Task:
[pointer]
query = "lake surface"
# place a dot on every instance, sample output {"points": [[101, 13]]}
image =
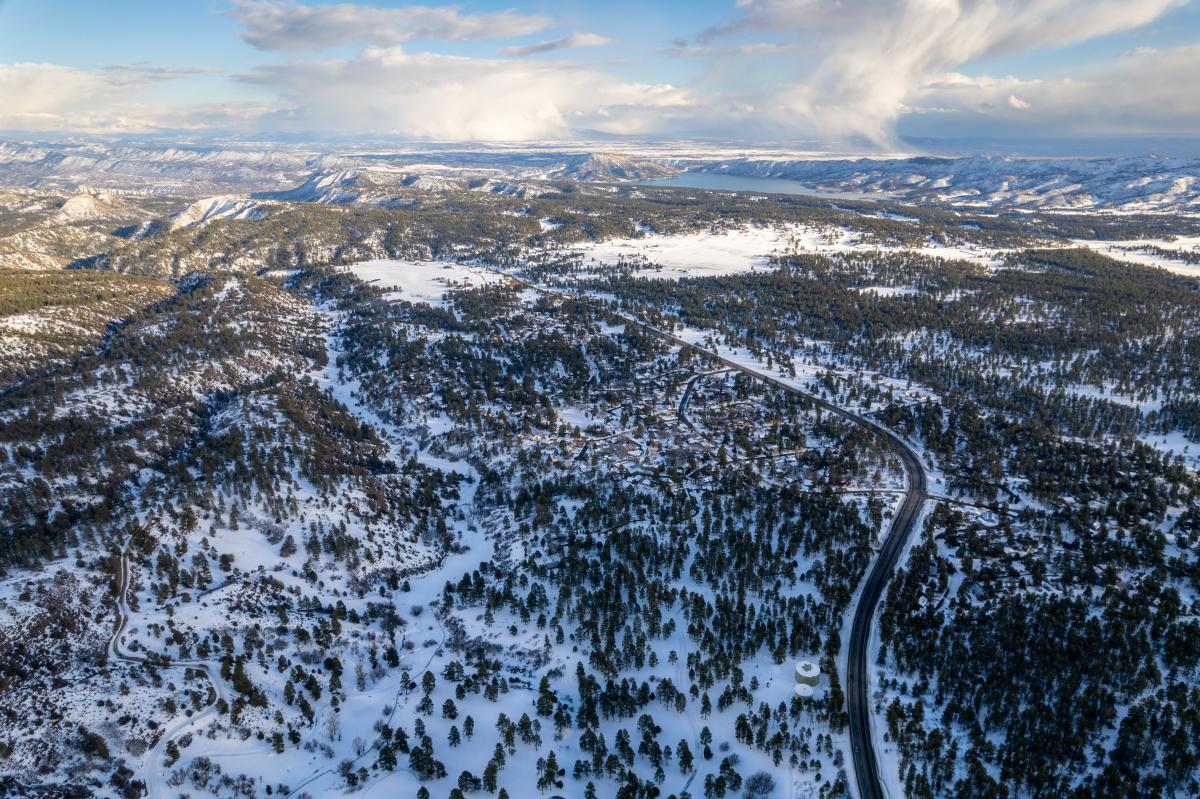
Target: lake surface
{"points": [[710, 180]]}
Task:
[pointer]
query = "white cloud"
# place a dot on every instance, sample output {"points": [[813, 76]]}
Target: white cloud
{"points": [[382, 90], [386, 90], [855, 70], [285, 25], [147, 71], [883, 52], [566, 43], [682, 48], [1140, 51], [51, 97], [35, 94], [1147, 91]]}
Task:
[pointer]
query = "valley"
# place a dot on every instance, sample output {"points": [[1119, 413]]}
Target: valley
{"points": [[483, 493]]}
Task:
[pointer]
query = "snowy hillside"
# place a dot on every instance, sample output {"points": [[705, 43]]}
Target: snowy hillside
{"points": [[204, 211], [610, 168], [1127, 184], [89, 207], [376, 176]]}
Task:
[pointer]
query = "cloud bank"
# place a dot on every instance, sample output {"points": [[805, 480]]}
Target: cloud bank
{"points": [[426, 95], [1146, 89], [288, 26], [836, 70], [884, 54], [112, 98]]}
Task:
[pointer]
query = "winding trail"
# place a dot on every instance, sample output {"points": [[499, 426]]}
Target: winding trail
{"points": [[866, 762], [153, 772]]}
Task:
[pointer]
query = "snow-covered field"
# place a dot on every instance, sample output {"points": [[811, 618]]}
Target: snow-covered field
{"points": [[749, 249], [421, 281], [1142, 251], [889, 291], [697, 254]]}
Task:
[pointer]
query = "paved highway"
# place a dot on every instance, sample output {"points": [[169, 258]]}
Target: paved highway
{"points": [[866, 763]]}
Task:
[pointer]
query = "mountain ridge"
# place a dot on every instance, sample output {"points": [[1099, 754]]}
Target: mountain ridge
{"points": [[1147, 183]]}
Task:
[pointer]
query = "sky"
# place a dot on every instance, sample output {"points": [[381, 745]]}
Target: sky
{"points": [[827, 73]]}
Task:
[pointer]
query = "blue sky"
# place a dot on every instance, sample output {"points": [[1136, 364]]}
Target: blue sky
{"points": [[859, 73]]}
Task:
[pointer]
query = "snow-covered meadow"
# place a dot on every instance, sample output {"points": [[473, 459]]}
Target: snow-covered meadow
{"points": [[1170, 254], [421, 281], [749, 248]]}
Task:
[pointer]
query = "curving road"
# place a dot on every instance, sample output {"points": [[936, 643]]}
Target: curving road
{"points": [[866, 763], [153, 772], [866, 767]]}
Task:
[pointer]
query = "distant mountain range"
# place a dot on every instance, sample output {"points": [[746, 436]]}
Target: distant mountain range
{"points": [[280, 172], [1126, 184]]}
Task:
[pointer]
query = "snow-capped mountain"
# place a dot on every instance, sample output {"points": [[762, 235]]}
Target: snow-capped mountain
{"points": [[612, 168], [387, 189], [380, 178], [1128, 184], [138, 167], [341, 187]]}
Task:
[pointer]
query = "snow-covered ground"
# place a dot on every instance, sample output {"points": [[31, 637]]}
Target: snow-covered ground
{"points": [[889, 291], [1142, 251], [804, 374], [210, 209], [1139, 184], [421, 281], [425, 650], [697, 254], [749, 249]]}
